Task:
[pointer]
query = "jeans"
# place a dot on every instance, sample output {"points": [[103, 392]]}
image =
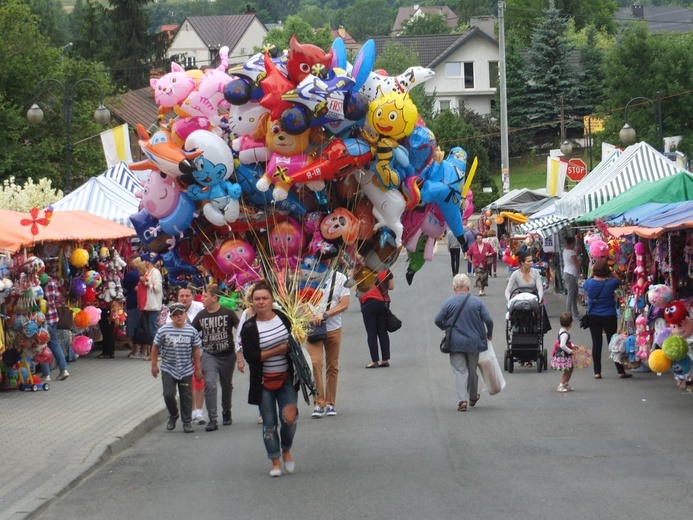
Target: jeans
{"points": [[271, 399], [455, 260], [608, 324], [184, 391], [374, 314], [571, 285], [327, 388], [464, 366], [56, 349], [151, 317], [218, 369]]}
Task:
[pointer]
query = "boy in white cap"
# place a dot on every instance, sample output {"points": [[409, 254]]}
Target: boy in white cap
{"points": [[178, 344]]}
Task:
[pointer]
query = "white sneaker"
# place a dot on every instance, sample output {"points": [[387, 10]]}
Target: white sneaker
{"points": [[330, 411], [568, 387], [562, 388], [318, 412], [64, 374], [46, 378]]}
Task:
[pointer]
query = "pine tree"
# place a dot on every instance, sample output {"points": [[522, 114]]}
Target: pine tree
{"points": [[134, 48], [550, 77], [590, 89]]}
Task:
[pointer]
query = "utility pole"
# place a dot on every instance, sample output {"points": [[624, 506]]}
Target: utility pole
{"points": [[505, 151]]}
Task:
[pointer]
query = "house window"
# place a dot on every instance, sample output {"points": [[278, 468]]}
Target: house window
{"points": [[453, 69], [468, 75], [458, 69], [190, 61], [443, 105], [493, 74], [493, 106]]}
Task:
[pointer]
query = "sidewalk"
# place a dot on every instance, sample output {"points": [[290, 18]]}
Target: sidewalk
{"points": [[51, 440]]}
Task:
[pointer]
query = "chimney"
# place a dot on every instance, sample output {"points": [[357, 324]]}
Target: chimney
{"points": [[416, 7], [249, 9], [638, 11], [485, 23]]}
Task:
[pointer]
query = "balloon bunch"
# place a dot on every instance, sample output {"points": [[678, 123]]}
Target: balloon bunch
{"points": [[290, 160]]}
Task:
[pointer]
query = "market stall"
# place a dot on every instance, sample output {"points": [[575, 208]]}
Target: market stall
{"points": [[60, 283]]}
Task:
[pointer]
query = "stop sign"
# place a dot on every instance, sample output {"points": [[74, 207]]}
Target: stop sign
{"points": [[576, 170]]}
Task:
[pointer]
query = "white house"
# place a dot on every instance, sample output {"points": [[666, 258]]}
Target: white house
{"points": [[466, 67], [199, 38]]}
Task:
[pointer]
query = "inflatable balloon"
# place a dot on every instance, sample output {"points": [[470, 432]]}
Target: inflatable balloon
{"points": [[180, 218], [177, 269], [378, 85], [340, 227], [35, 265], [286, 244], [79, 257], [242, 123], [433, 226], [81, 345], [390, 117], [388, 206], [163, 154], [236, 258], [212, 171], [248, 177], [160, 194], [150, 233]]}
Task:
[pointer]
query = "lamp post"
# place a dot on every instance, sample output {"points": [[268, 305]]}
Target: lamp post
{"points": [[35, 115], [567, 146], [627, 133]]}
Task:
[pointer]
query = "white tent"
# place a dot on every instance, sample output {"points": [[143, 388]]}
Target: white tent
{"points": [[105, 196], [613, 176]]}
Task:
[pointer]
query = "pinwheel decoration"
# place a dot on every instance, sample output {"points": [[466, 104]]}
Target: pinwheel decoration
{"points": [[34, 221]]}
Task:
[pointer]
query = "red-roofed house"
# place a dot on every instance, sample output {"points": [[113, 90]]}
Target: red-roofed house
{"points": [[405, 13], [199, 38]]}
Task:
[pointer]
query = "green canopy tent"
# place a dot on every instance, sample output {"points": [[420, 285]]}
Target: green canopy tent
{"points": [[675, 188]]}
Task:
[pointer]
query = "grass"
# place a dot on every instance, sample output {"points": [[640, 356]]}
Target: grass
{"points": [[530, 172]]}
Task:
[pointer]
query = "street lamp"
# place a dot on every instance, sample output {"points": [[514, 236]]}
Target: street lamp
{"points": [[567, 146], [627, 133], [35, 115]]}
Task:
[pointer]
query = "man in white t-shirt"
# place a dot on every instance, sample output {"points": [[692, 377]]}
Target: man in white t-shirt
{"points": [[335, 302], [186, 296], [571, 273]]}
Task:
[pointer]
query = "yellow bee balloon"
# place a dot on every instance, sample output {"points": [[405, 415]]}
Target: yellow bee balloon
{"points": [[392, 116]]}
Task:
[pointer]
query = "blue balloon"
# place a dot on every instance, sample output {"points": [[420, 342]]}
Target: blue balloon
{"points": [[180, 218]]}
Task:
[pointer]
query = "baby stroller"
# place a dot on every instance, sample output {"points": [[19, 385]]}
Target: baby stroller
{"points": [[524, 335]]}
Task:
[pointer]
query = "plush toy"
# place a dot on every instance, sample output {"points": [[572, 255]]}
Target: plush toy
{"points": [[631, 348], [660, 295], [599, 250], [643, 338], [675, 348], [110, 293]]}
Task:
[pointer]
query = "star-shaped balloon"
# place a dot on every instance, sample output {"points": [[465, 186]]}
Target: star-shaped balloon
{"points": [[34, 221], [274, 85]]}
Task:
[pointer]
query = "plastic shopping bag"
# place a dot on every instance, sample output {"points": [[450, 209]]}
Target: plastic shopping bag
{"points": [[491, 371]]}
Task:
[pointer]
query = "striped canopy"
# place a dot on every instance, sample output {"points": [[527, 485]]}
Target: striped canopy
{"points": [[635, 164], [123, 176], [546, 226], [104, 197]]}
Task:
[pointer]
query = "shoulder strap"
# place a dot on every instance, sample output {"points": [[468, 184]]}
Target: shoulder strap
{"points": [[459, 311], [329, 298], [598, 294]]}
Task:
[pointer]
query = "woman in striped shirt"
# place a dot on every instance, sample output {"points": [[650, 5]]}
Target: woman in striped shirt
{"points": [[265, 337]]}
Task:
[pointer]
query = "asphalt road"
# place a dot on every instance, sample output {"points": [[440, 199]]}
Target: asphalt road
{"points": [[616, 449]]}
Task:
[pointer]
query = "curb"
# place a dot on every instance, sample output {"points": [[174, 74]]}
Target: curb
{"points": [[74, 473]]}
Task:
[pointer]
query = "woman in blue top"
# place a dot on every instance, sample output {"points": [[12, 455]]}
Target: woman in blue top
{"points": [[602, 309]]}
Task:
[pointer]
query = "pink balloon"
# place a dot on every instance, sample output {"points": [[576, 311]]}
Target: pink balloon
{"points": [[82, 345]]}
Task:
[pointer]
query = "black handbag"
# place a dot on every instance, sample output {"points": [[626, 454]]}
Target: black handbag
{"points": [[393, 322], [446, 342], [585, 320]]}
